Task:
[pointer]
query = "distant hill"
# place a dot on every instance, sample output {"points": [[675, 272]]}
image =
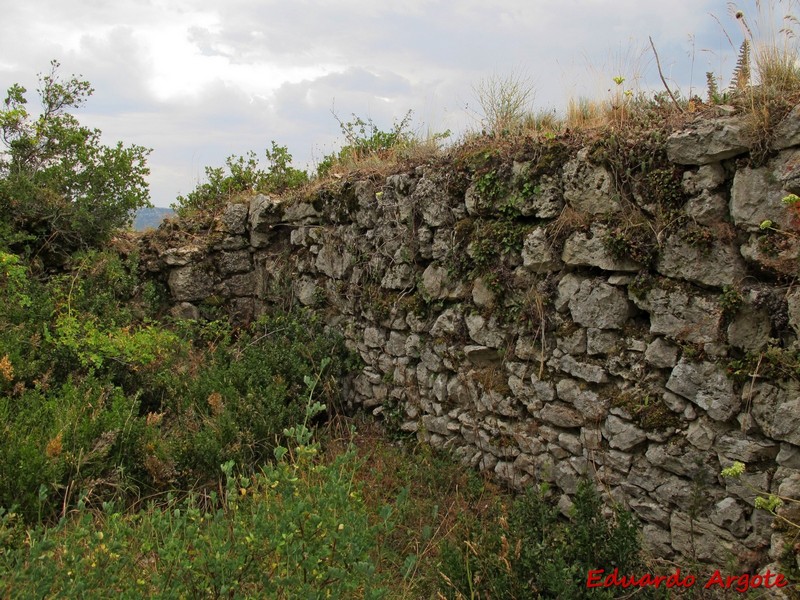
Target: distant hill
{"points": [[150, 218]]}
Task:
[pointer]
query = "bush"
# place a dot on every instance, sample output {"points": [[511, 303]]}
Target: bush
{"points": [[536, 554], [243, 176], [60, 188]]}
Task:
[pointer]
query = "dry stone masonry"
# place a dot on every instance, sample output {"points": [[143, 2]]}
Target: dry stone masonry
{"points": [[546, 321]]}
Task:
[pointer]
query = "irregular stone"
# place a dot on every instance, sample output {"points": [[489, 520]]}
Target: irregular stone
{"points": [[335, 262], [482, 356], [589, 249], [589, 188], [432, 199], [538, 255], [678, 459], [600, 341], [398, 277], [789, 456], [661, 354], [481, 294], [190, 283], [757, 194], [622, 435], [483, 332], [265, 212], [447, 324], [546, 198], [243, 284], [719, 265], [234, 262], [567, 288], [776, 409], [680, 316], [657, 542], [300, 212], [707, 209], [750, 329], [707, 385], [782, 260], [598, 305], [185, 310], [560, 415], [700, 435], [234, 218], [708, 177], [702, 539], [585, 371], [436, 282], [793, 305], [572, 343], [709, 141], [180, 257], [737, 446], [730, 515], [787, 133]]}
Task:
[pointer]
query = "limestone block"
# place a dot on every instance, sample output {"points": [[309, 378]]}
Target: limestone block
{"points": [[707, 385], [709, 141]]}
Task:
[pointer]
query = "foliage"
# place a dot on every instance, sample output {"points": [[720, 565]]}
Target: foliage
{"points": [[297, 528], [505, 102], [366, 139], [61, 189], [242, 175], [534, 554]]}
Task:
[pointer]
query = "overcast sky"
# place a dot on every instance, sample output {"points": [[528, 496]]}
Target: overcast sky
{"points": [[199, 80]]}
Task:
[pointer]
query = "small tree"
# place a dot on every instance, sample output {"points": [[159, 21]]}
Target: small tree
{"points": [[61, 189]]}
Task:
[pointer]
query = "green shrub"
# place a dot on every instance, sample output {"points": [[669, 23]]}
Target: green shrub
{"points": [[296, 529], [536, 554], [61, 189]]}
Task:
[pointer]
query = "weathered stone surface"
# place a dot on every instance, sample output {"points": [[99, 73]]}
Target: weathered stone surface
{"points": [[190, 283], [707, 177], [398, 277], [185, 310], [787, 132], [432, 199], [180, 257], [234, 262], [719, 265], [537, 252], [702, 539], [601, 341], [599, 305], [661, 353], [757, 194], [560, 415], [737, 446], [681, 316], [707, 209], [589, 188], [485, 332], [481, 294], [707, 385], [585, 371], [335, 262], [482, 356], [588, 403], [622, 435], [776, 409], [234, 218], [709, 141], [242, 284], [589, 249], [300, 212], [545, 200], [436, 283], [750, 329], [447, 324], [265, 212]]}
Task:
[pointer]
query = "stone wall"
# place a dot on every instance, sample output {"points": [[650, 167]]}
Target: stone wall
{"points": [[546, 317]]}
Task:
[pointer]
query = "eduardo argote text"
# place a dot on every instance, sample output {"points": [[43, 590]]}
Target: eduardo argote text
{"points": [[598, 578]]}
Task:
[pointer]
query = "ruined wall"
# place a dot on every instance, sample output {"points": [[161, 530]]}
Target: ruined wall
{"points": [[556, 312]]}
